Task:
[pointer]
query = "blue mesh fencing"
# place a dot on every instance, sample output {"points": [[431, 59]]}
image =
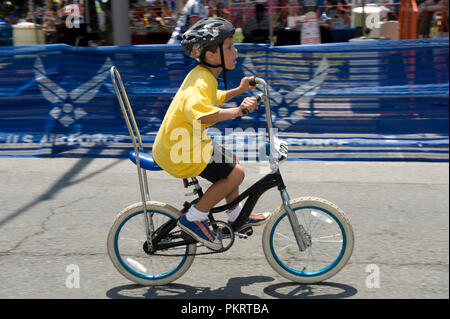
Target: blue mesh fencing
{"points": [[372, 100]]}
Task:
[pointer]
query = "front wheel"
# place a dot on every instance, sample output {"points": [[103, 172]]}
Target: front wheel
{"points": [[126, 246], [331, 237]]}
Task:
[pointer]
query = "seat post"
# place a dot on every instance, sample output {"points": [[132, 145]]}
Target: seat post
{"points": [[194, 182]]}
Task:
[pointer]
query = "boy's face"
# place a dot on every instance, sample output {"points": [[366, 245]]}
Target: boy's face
{"points": [[229, 54]]}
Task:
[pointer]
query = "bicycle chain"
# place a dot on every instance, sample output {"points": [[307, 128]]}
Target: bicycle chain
{"points": [[205, 253], [196, 254]]}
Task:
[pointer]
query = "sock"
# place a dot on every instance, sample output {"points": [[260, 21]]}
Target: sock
{"points": [[194, 214], [233, 214]]}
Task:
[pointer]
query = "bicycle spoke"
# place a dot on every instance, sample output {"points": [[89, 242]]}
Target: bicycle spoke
{"points": [[137, 265], [130, 246], [326, 241], [320, 239]]}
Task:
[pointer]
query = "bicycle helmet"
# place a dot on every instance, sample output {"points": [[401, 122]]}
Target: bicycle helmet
{"points": [[207, 33]]}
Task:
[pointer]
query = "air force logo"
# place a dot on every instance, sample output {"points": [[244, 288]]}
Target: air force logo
{"points": [[290, 100], [69, 103]]}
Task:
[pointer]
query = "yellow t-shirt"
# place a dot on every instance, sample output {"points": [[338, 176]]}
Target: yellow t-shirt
{"points": [[181, 147]]}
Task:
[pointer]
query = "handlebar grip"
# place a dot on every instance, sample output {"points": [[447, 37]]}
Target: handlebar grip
{"points": [[252, 82], [258, 99]]}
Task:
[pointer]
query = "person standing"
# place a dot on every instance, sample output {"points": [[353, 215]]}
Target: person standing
{"points": [[256, 29], [193, 11]]}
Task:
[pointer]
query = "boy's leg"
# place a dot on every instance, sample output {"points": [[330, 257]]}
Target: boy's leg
{"points": [[194, 222], [224, 188], [232, 196], [235, 192], [233, 212], [234, 178]]}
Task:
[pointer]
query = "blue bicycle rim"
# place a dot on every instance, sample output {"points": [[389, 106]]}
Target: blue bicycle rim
{"points": [[312, 273], [131, 270]]}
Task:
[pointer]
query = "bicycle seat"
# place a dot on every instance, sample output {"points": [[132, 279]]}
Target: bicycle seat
{"points": [[146, 161]]}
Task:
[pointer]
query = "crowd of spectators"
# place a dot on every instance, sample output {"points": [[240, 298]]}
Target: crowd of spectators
{"points": [[251, 17], [433, 13], [54, 21]]}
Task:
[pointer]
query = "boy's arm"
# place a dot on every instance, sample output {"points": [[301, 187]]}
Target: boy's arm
{"points": [[249, 103], [243, 87], [222, 115]]}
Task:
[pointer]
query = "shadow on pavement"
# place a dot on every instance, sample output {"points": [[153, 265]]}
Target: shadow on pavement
{"points": [[233, 290], [326, 290], [66, 180]]}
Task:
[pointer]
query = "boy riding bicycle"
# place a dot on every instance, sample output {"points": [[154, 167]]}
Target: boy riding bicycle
{"points": [[195, 108]]}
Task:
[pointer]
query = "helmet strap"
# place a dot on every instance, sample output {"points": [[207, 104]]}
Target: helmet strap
{"points": [[222, 65], [224, 74]]}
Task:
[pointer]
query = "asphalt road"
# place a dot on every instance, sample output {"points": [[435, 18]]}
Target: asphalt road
{"points": [[55, 215]]}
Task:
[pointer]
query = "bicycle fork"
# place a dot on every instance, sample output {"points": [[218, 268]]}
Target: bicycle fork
{"points": [[302, 238]]}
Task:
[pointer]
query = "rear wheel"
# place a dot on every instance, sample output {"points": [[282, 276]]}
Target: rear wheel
{"points": [[127, 246]]}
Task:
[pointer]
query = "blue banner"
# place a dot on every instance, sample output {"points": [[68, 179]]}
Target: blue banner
{"points": [[373, 100]]}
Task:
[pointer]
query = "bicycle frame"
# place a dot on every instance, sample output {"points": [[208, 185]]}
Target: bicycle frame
{"points": [[253, 193]]}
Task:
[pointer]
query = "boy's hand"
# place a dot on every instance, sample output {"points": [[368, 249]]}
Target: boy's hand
{"points": [[245, 84], [242, 88], [250, 104]]}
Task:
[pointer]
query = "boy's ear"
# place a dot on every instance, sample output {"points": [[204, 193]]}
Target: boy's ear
{"points": [[210, 55]]}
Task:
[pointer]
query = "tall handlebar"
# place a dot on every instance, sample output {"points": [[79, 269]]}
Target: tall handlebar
{"points": [[253, 82], [265, 96]]}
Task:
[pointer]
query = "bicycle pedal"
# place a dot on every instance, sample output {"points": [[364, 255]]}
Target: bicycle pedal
{"points": [[242, 236], [248, 231], [245, 233]]}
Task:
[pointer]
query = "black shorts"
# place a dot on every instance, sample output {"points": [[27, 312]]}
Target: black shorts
{"points": [[220, 165]]}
